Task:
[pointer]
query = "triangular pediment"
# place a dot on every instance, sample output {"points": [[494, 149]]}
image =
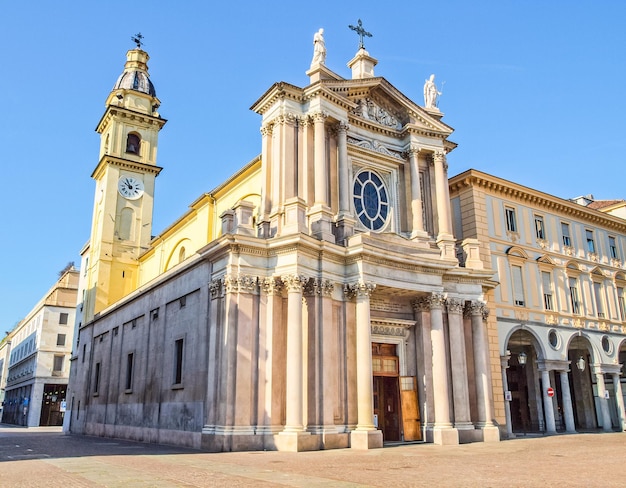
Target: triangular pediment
{"points": [[376, 101]]}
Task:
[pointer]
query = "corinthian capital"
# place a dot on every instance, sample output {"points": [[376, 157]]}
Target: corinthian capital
{"points": [[455, 305], [319, 116], [294, 283], [421, 304], [413, 150], [318, 286], [359, 289], [215, 287], [240, 283], [266, 130], [440, 157], [272, 285], [437, 300]]}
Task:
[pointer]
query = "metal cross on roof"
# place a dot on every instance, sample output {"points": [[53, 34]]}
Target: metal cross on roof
{"points": [[361, 32], [137, 39]]}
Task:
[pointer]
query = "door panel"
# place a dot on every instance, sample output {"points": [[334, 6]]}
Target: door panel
{"points": [[410, 409]]}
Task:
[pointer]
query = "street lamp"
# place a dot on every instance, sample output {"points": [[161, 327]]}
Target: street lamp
{"points": [[580, 364], [521, 358]]}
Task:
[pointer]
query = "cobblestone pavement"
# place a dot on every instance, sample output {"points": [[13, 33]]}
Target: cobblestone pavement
{"points": [[45, 457]]}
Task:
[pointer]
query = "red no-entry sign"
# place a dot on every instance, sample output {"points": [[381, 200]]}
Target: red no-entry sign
{"points": [[550, 392]]}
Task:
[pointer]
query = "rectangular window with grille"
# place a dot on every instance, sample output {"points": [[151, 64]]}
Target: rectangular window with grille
{"points": [[546, 281], [613, 248], [57, 365], [539, 227], [129, 371], [178, 361], [597, 292], [591, 245], [621, 303], [60, 339], [566, 236], [96, 379], [518, 286], [511, 221], [573, 295]]}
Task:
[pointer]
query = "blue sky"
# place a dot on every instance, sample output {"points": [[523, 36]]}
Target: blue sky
{"points": [[534, 90]]}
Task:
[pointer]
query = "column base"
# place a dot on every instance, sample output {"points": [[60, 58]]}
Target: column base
{"points": [[320, 223], [447, 246], [263, 229], [445, 436], [490, 433], [419, 234], [294, 216], [366, 439], [344, 229], [295, 441]]}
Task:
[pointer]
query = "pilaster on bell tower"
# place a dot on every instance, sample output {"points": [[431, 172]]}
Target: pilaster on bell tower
{"points": [[125, 176]]}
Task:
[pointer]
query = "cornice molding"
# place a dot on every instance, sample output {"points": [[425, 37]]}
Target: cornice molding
{"points": [[141, 118], [123, 164], [512, 191]]}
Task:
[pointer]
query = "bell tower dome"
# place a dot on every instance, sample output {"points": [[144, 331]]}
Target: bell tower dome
{"points": [[125, 177]]}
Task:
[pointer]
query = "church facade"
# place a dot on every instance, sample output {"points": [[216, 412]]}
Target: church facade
{"points": [[317, 299]]}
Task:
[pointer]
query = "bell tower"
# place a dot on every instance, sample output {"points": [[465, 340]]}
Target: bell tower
{"points": [[125, 176]]}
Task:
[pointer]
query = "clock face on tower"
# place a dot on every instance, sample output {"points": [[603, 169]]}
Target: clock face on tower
{"points": [[130, 187]]}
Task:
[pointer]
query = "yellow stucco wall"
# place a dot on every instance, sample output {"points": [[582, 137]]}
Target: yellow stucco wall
{"points": [[201, 224]]}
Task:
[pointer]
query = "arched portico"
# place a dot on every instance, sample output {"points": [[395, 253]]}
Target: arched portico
{"points": [[583, 383], [523, 382]]}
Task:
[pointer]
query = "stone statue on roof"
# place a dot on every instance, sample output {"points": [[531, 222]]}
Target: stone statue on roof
{"points": [[430, 93], [319, 48]]}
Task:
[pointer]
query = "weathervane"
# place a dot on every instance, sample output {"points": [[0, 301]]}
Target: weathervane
{"points": [[361, 32], [137, 40]]}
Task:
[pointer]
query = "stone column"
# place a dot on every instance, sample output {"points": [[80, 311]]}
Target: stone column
{"points": [[295, 354], [272, 361], [328, 390], [619, 400], [345, 220], [458, 365], [365, 436], [566, 396], [321, 175], [263, 226], [504, 364], [443, 432], [417, 227], [344, 182], [320, 215], [445, 239], [423, 344], [548, 406], [482, 371], [604, 403]]}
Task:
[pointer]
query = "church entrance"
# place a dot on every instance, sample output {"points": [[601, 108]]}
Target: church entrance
{"points": [[395, 397]]}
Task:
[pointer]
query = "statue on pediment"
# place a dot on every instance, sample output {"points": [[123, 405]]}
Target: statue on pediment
{"points": [[319, 48], [430, 93]]}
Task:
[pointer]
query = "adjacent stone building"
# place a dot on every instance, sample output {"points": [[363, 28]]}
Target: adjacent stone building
{"points": [[314, 300], [34, 358], [559, 306]]}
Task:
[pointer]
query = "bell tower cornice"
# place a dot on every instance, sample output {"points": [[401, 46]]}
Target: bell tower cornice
{"points": [[132, 115], [126, 164]]}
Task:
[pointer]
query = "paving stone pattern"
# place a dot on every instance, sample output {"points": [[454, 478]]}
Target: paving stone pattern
{"points": [[45, 457]]}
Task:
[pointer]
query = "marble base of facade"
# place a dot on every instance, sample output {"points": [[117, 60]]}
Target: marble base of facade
{"points": [[445, 436], [490, 434], [305, 441], [366, 439]]}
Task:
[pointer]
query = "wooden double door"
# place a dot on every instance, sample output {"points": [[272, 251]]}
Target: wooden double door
{"points": [[395, 397]]}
